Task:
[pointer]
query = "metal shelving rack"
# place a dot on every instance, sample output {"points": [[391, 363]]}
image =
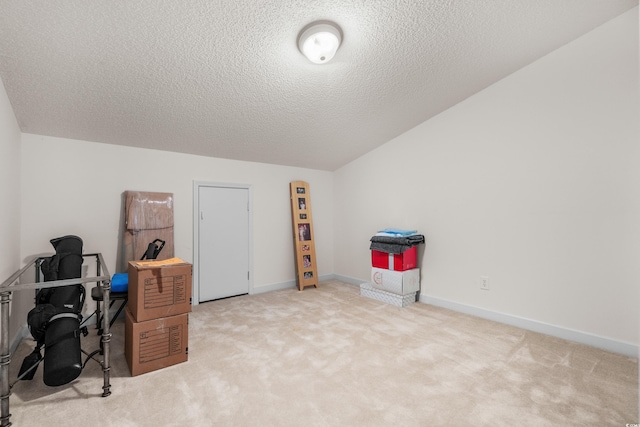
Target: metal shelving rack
{"points": [[102, 278]]}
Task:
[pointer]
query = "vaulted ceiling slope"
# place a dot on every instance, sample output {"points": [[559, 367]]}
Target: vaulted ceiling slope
{"points": [[225, 79]]}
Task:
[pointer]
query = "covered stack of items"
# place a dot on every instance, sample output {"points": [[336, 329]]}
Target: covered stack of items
{"points": [[395, 276], [55, 321]]}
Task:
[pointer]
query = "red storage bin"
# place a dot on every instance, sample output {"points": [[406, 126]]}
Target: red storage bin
{"points": [[397, 262]]}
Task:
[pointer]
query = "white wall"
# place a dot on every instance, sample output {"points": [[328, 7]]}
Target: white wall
{"points": [[10, 196], [532, 182], [528, 182], [75, 187]]}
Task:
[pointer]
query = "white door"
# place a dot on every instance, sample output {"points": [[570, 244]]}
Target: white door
{"points": [[223, 242]]}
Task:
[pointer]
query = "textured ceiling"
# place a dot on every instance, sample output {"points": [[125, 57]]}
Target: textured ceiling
{"points": [[224, 78]]}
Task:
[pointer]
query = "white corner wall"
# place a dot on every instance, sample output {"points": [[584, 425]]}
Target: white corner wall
{"points": [[532, 182], [75, 187], [10, 196], [9, 188]]}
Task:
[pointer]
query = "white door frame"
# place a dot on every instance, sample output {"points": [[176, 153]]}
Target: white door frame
{"points": [[196, 233]]}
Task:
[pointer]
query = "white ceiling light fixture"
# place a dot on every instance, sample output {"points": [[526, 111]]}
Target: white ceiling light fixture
{"points": [[319, 41]]}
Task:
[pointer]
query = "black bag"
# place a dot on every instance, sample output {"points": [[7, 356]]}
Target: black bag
{"points": [[59, 333], [67, 244], [37, 320], [68, 297], [55, 321], [65, 264], [62, 357], [30, 365]]}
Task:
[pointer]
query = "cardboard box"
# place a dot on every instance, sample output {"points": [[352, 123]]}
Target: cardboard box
{"points": [[155, 344], [159, 288], [367, 290], [397, 262], [397, 282]]}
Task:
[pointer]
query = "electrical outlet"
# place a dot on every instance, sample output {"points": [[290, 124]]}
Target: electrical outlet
{"points": [[484, 283]]}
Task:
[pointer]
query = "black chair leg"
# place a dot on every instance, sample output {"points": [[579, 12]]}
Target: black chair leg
{"points": [[98, 317], [113, 319]]}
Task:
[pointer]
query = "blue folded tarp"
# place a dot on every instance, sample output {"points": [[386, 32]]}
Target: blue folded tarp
{"points": [[120, 282]]}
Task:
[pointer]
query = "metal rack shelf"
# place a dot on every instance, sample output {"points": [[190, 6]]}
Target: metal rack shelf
{"points": [[102, 279]]}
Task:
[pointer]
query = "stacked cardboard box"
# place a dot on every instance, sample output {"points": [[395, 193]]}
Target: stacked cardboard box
{"points": [[395, 278], [367, 290], [157, 319], [393, 287]]}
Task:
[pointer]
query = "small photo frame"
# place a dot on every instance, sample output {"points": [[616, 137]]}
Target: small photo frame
{"points": [[304, 232], [303, 216], [305, 248], [300, 190], [302, 203], [308, 274], [306, 261]]}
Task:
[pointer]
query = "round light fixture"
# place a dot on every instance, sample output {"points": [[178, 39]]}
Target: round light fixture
{"points": [[319, 41]]}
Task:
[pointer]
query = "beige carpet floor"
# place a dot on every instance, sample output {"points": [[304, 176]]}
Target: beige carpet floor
{"points": [[329, 357]]}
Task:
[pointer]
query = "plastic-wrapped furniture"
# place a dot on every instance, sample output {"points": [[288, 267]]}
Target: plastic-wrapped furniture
{"points": [[148, 217]]}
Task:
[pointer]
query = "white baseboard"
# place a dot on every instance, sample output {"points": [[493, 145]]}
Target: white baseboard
{"points": [[350, 280], [274, 287], [607, 344], [287, 285]]}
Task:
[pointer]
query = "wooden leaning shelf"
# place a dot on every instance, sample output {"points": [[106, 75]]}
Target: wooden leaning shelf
{"points": [[303, 236]]}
